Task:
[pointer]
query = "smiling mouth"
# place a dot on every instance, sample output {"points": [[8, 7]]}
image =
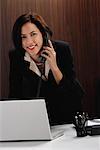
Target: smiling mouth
{"points": [[31, 48]]}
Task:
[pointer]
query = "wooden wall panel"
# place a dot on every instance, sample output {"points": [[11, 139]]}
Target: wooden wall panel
{"points": [[75, 21]]}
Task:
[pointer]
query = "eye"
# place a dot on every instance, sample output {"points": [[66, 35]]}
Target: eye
{"points": [[23, 36], [33, 33]]}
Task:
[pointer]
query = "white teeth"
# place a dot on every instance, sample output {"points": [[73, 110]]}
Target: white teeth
{"points": [[31, 47]]}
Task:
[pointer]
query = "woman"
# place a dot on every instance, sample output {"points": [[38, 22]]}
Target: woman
{"points": [[40, 67]]}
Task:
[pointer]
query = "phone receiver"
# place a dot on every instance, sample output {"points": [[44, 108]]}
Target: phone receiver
{"points": [[45, 43], [46, 38]]}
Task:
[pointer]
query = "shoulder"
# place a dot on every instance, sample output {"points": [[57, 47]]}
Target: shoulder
{"points": [[62, 47], [16, 59], [15, 54], [59, 43]]}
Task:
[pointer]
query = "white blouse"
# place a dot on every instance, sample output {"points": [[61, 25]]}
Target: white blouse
{"points": [[34, 67]]}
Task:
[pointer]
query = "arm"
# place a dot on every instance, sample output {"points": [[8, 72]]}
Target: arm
{"points": [[50, 55], [66, 66], [69, 86], [61, 64]]}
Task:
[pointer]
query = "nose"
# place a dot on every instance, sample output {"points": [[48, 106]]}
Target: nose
{"points": [[29, 40]]}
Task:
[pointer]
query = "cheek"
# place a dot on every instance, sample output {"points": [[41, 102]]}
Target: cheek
{"points": [[24, 44], [41, 43], [39, 39]]}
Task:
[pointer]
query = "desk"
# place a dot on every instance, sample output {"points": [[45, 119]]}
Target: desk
{"points": [[68, 141]]}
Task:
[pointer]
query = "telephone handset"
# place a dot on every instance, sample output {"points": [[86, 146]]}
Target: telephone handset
{"points": [[42, 60], [46, 38], [45, 43]]}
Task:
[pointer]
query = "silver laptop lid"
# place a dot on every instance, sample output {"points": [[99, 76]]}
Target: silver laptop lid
{"points": [[24, 120]]}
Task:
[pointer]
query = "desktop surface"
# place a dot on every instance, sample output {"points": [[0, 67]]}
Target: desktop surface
{"points": [[69, 141]]}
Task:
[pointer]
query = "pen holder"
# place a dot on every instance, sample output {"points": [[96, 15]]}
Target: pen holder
{"points": [[81, 132], [80, 123]]}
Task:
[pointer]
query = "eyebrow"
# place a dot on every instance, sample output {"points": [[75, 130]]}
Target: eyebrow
{"points": [[28, 33]]}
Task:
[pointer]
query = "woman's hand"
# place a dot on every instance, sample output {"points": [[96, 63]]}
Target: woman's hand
{"points": [[50, 55]]}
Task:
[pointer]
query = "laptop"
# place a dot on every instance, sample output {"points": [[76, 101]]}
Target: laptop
{"points": [[25, 120]]}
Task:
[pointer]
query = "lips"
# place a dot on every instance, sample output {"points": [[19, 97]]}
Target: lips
{"points": [[31, 48]]}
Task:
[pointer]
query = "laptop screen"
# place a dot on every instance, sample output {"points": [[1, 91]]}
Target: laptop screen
{"points": [[24, 120]]}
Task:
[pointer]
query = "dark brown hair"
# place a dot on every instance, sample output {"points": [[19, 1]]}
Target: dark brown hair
{"points": [[29, 17]]}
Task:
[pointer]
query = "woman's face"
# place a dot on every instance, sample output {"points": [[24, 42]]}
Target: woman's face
{"points": [[32, 39]]}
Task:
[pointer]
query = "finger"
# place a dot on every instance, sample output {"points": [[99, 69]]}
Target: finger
{"points": [[50, 43], [49, 53], [46, 52], [51, 50]]}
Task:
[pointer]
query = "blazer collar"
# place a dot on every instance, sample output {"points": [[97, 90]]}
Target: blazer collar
{"points": [[34, 67]]}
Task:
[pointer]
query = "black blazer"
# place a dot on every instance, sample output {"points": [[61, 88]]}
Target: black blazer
{"points": [[62, 100]]}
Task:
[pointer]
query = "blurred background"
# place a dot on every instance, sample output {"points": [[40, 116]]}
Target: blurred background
{"points": [[74, 21]]}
